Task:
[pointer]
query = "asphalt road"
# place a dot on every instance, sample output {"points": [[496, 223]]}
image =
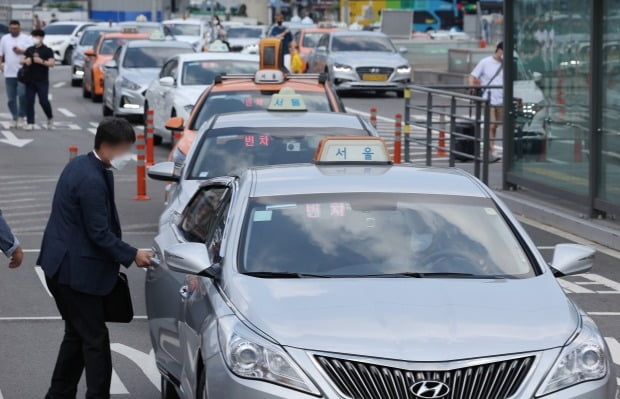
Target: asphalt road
{"points": [[30, 329]]}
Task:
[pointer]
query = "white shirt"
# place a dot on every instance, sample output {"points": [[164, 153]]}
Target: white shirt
{"points": [[307, 20], [485, 71], [11, 59]]}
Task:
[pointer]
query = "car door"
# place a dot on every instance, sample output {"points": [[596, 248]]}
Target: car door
{"points": [[156, 97], [167, 291], [167, 92], [198, 309]]}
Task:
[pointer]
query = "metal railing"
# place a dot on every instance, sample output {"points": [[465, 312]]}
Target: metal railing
{"points": [[441, 113]]}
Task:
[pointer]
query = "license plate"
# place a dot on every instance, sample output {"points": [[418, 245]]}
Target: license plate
{"points": [[374, 77]]}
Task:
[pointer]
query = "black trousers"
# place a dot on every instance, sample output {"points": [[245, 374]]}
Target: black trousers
{"points": [[41, 89], [86, 345]]}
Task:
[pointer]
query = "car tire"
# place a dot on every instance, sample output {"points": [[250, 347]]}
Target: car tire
{"points": [[85, 93], [66, 60], [167, 389], [76, 82], [106, 111]]}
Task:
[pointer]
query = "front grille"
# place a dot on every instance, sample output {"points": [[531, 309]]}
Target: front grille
{"points": [[357, 380], [375, 70]]}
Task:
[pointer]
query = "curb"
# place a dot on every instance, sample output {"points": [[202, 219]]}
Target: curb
{"points": [[562, 220]]}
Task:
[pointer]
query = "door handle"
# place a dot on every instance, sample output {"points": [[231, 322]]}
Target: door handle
{"points": [[184, 292]]}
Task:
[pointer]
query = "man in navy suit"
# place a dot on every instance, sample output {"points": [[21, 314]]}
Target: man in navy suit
{"points": [[80, 255]]}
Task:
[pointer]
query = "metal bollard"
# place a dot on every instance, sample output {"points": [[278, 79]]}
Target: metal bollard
{"points": [[441, 144], [398, 132], [373, 117], [73, 150], [141, 169], [150, 132]]}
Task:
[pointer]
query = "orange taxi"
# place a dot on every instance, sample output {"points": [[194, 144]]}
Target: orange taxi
{"points": [[307, 40], [238, 93], [95, 59]]}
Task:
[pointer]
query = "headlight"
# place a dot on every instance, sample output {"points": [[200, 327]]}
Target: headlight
{"points": [[403, 69], [248, 355], [128, 84], [583, 359], [188, 108], [341, 68]]}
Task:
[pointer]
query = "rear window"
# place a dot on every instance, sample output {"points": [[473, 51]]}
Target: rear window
{"points": [[362, 43], [203, 72], [244, 32], [251, 100], [89, 37], [109, 46], [151, 57], [311, 39], [59, 29], [233, 150], [184, 29]]}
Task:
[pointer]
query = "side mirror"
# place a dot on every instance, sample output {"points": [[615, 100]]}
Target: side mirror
{"points": [[90, 52], [191, 258], [569, 259], [163, 171], [537, 76], [167, 81], [175, 124], [110, 65], [403, 50]]}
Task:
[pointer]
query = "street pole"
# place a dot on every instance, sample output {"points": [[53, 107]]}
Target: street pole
{"points": [[345, 12], [154, 10]]}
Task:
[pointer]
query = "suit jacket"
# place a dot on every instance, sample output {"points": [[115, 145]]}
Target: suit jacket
{"points": [[8, 242], [82, 242]]}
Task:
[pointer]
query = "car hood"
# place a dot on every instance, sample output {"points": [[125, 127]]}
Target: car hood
{"points": [[369, 58], [187, 39], [55, 38], [141, 76], [407, 318]]}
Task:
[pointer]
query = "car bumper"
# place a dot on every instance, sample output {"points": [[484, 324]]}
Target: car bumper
{"points": [[352, 81], [130, 102]]}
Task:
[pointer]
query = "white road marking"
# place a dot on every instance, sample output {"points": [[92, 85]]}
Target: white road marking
{"points": [[568, 236], [116, 386], [604, 313], [94, 124], [66, 112], [48, 318], [50, 97], [92, 130], [615, 286], [146, 361], [11, 139], [17, 200], [9, 208], [1, 397], [59, 84], [41, 276], [573, 288]]}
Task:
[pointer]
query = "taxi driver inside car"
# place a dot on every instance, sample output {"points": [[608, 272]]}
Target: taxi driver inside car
{"points": [[324, 276]]}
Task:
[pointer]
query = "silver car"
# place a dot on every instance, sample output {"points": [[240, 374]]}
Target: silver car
{"points": [[131, 70], [361, 61], [87, 40], [343, 281]]}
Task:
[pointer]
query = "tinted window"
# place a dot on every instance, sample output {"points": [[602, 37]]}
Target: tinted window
{"points": [[361, 43], [184, 29], [233, 150], [244, 32], [150, 57], [59, 29], [372, 234], [203, 72], [423, 17], [200, 214], [109, 46], [253, 100], [311, 39]]}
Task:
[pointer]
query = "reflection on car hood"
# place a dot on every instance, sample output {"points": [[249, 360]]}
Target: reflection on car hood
{"points": [[369, 58], [187, 38], [407, 318], [242, 42], [141, 76], [190, 94]]}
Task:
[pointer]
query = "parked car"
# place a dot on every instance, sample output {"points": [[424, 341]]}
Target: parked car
{"points": [[307, 39], [131, 70], [361, 60], [62, 37], [182, 80], [245, 37], [87, 40], [193, 31]]}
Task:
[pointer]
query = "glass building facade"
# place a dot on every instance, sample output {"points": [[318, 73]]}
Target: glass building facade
{"points": [[562, 135]]}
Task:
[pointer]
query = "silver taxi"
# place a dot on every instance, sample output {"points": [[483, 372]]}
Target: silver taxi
{"points": [[354, 278]]}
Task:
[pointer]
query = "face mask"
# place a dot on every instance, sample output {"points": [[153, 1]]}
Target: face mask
{"points": [[36, 40], [14, 34], [279, 23], [120, 161]]}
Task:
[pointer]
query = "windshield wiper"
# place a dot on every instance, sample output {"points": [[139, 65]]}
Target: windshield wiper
{"points": [[439, 275], [283, 275]]}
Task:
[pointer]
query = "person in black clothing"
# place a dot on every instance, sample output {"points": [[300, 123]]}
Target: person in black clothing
{"points": [[38, 59], [281, 32]]}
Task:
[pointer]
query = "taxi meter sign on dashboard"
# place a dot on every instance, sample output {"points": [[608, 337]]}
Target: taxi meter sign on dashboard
{"points": [[352, 150], [287, 100]]}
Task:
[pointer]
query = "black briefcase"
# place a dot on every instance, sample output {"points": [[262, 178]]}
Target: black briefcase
{"points": [[117, 306]]}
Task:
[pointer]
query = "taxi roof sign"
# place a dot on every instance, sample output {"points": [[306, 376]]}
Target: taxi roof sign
{"points": [[287, 100], [269, 76], [157, 35], [218, 46], [352, 150]]}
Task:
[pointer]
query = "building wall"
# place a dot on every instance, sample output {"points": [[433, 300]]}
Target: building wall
{"points": [[122, 10]]}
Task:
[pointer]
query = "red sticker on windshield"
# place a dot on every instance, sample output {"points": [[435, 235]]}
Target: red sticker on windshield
{"points": [[249, 141], [313, 210], [264, 140]]}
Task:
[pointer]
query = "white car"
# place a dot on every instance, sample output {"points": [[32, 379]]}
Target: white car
{"points": [[245, 37], [193, 31], [62, 38], [184, 77]]}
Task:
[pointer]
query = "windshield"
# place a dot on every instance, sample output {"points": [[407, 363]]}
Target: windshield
{"points": [[362, 43], [375, 234], [89, 37], [244, 33], [109, 46], [233, 150], [184, 29], [60, 29], [151, 57], [251, 100], [311, 39], [203, 72]]}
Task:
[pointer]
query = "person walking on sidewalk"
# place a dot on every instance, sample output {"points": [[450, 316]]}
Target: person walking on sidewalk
{"points": [[38, 59], [490, 72], [12, 47]]}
